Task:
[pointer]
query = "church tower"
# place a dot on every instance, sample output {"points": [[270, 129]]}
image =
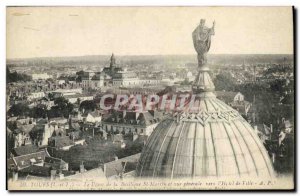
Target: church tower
{"points": [[112, 61]]}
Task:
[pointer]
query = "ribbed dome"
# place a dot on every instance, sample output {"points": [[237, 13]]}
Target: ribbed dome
{"points": [[214, 141], [210, 139]]}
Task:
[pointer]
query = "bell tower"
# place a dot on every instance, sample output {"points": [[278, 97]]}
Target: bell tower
{"points": [[112, 61]]}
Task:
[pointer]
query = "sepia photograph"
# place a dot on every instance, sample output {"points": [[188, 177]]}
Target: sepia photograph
{"points": [[150, 98]]}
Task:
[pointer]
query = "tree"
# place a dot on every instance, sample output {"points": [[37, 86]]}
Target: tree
{"points": [[16, 77], [88, 105], [224, 81], [62, 108], [40, 111], [51, 96], [19, 109], [186, 82]]}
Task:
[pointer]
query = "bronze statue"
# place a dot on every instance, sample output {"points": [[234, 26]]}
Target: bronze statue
{"points": [[202, 39]]}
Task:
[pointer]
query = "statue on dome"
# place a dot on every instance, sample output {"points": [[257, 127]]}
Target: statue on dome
{"points": [[202, 39]]}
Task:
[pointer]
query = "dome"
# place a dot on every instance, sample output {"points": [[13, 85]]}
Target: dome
{"points": [[213, 141], [210, 139]]}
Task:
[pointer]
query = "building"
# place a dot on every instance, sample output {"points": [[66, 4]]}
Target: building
{"points": [[126, 122], [78, 98], [114, 76], [176, 148], [213, 140], [55, 163], [36, 95], [23, 150], [35, 165], [92, 117], [43, 76], [20, 162], [21, 135], [236, 100], [229, 96], [121, 168], [43, 131], [64, 142], [66, 92]]}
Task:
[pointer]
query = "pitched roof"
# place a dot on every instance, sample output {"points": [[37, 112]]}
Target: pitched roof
{"points": [[77, 96], [42, 121], [24, 161], [132, 118], [116, 167], [75, 126], [95, 114], [90, 174], [23, 150], [61, 141], [26, 128], [226, 96], [12, 119], [35, 170]]}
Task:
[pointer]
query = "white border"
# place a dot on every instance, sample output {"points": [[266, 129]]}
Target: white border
{"points": [[5, 3]]}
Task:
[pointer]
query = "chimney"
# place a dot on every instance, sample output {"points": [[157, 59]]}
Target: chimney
{"points": [[273, 157], [255, 130], [135, 137], [61, 175], [104, 135], [81, 168], [103, 166], [53, 174], [137, 115], [15, 175]]}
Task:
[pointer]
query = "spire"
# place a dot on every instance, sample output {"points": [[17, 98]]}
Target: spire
{"points": [[112, 60], [203, 81]]}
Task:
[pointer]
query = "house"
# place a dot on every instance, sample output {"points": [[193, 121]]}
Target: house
{"points": [[121, 168], [36, 95], [236, 100], [35, 172], [229, 96], [23, 150], [64, 142], [45, 101], [93, 117], [66, 92], [56, 163], [43, 132], [21, 136], [286, 126], [41, 76], [24, 121], [61, 122], [61, 142], [142, 123], [78, 98], [96, 173], [60, 82], [20, 162], [39, 164]]}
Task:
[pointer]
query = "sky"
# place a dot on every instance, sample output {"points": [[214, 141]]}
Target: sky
{"points": [[79, 31]]}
